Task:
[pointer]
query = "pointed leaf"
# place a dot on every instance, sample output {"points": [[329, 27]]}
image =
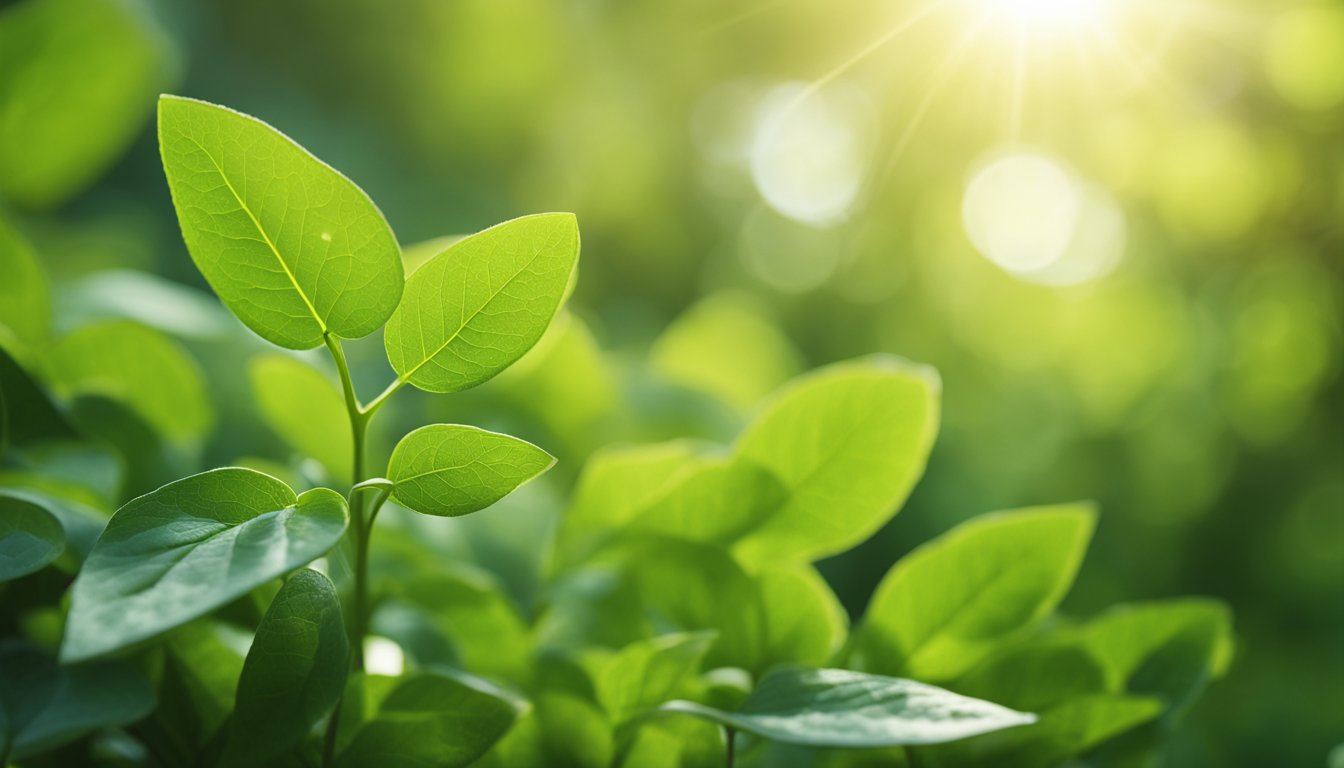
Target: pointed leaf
{"points": [[292, 247], [804, 621], [294, 673], [30, 537], [191, 546], [644, 674], [848, 443], [474, 309], [946, 605], [839, 708], [451, 470]]}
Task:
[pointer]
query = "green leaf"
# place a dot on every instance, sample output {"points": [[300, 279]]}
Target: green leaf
{"points": [[804, 622], [45, 706], [451, 470], [30, 537], [202, 661], [643, 675], [80, 76], [30, 414], [839, 708], [1165, 649], [191, 546], [25, 298], [294, 673], [474, 309], [946, 605], [430, 719], [305, 409], [292, 247], [1036, 677], [848, 443], [139, 367]]}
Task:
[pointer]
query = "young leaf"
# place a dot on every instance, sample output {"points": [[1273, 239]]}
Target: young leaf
{"points": [[141, 368], [25, 298], [430, 719], [839, 708], [44, 706], [60, 127], [474, 309], [294, 673], [848, 443], [190, 547], [946, 605], [643, 675], [30, 537], [305, 409], [451, 470], [291, 246]]}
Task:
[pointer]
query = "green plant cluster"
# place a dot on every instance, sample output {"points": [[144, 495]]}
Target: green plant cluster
{"points": [[229, 618]]}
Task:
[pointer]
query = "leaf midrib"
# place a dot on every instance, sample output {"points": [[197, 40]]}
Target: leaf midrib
{"points": [[242, 205]]}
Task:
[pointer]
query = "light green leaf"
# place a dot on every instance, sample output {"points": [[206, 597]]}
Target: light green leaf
{"points": [[162, 304], [1167, 649], [305, 409], [451, 470], [474, 309], [191, 546], [804, 622], [839, 708], [430, 719], [645, 674], [617, 485], [848, 443], [44, 705], [140, 368], [946, 605], [1036, 677], [292, 247], [726, 346], [294, 673], [30, 537], [25, 298], [80, 76]]}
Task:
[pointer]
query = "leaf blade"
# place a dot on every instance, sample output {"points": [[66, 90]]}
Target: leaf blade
{"points": [[30, 537], [451, 470]]}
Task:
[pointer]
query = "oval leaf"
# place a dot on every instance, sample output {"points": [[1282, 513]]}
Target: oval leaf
{"points": [[25, 298], [191, 546], [946, 605], [294, 673], [474, 309], [451, 470], [839, 708], [848, 443], [30, 537], [292, 247]]}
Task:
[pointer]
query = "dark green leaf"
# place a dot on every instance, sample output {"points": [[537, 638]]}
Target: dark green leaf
{"points": [[294, 673], [190, 547], [30, 537]]}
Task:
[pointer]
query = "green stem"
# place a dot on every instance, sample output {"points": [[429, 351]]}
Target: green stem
{"points": [[730, 735]]}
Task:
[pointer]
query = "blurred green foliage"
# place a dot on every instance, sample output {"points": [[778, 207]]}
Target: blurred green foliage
{"points": [[741, 226]]}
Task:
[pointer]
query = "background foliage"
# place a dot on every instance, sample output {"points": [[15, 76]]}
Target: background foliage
{"points": [[1193, 388]]}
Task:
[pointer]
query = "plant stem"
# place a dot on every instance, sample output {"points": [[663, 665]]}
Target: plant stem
{"points": [[730, 735]]}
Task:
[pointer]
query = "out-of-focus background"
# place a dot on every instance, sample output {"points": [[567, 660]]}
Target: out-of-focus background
{"points": [[1116, 227]]}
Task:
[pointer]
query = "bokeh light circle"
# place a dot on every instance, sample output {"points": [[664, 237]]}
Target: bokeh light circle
{"points": [[1020, 211]]}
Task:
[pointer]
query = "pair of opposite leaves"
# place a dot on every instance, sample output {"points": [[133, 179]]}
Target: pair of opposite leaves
{"points": [[301, 255]]}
